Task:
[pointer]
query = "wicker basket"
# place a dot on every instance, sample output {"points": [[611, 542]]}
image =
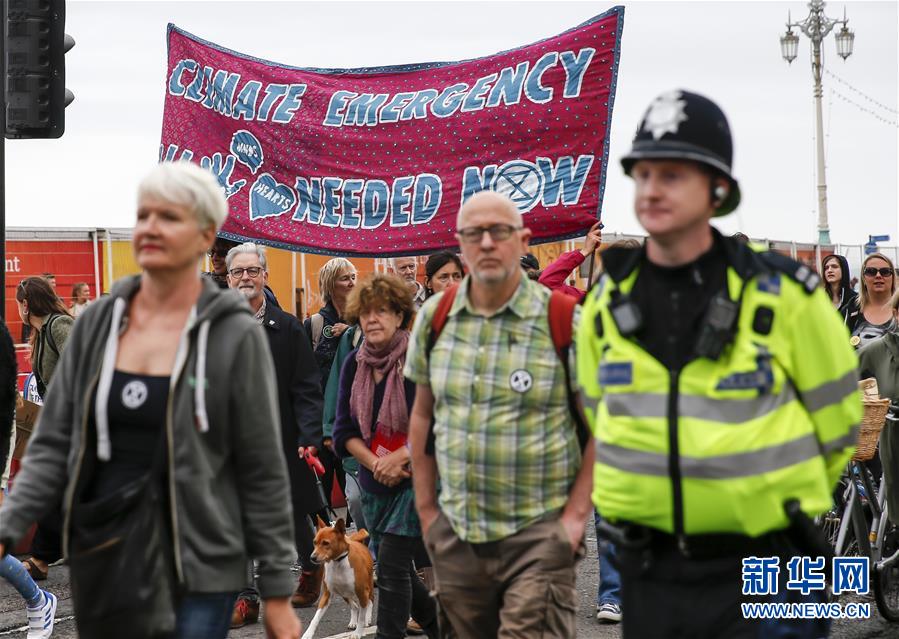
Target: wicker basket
{"points": [[875, 412]]}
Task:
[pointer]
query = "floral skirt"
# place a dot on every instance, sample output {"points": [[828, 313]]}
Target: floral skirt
{"points": [[392, 514]]}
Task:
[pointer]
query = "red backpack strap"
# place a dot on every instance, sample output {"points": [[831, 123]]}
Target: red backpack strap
{"points": [[441, 314], [561, 313], [561, 316]]}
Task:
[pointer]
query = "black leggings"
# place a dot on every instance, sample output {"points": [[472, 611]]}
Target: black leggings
{"points": [[47, 542], [400, 590]]}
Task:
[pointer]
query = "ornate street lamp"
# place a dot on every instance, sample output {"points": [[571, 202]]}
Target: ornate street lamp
{"points": [[816, 26]]}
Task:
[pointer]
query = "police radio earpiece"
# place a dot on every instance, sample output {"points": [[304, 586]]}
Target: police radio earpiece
{"points": [[719, 193]]}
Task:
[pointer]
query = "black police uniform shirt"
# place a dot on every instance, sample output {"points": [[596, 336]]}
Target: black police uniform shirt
{"points": [[673, 303]]}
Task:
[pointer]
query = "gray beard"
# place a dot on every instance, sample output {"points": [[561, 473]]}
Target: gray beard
{"points": [[249, 293]]}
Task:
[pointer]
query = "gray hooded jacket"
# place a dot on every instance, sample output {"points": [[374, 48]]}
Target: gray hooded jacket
{"points": [[227, 480]]}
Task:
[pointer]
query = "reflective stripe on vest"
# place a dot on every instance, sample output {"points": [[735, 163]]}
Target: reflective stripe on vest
{"points": [[725, 411], [831, 392], [840, 443], [756, 462]]}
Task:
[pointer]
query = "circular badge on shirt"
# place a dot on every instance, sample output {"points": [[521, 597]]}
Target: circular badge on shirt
{"points": [[328, 331], [521, 381], [855, 340], [134, 394]]}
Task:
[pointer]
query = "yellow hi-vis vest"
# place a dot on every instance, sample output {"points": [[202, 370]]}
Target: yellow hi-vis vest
{"points": [[774, 418]]}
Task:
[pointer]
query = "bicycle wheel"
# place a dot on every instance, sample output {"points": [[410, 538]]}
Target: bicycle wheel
{"points": [[886, 582]]}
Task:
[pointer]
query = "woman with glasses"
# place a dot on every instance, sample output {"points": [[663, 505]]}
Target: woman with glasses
{"points": [[877, 285], [161, 432], [880, 359], [372, 425], [442, 270], [217, 254]]}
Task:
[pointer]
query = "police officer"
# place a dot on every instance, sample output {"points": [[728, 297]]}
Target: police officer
{"points": [[721, 389]]}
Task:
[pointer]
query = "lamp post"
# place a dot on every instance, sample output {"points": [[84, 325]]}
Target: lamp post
{"points": [[816, 26]]}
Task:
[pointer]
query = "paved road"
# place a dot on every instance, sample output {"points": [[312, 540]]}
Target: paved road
{"points": [[12, 612]]}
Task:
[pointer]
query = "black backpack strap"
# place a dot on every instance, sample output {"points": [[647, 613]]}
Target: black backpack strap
{"points": [[49, 333]]}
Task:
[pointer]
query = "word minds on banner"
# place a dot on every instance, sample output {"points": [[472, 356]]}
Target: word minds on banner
{"points": [[377, 161]]}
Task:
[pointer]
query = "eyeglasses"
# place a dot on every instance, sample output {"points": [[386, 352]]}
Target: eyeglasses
{"points": [[253, 272], [870, 271], [215, 252], [498, 232]]}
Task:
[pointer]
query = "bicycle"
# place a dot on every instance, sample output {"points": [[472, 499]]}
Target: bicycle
{"points": [[859, 524]]}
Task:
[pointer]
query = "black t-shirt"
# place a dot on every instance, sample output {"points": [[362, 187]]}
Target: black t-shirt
{"points": [[673, 302], [136, 409]]}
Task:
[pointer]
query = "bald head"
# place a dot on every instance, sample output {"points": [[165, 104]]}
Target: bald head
{"points": [[496, 206]]}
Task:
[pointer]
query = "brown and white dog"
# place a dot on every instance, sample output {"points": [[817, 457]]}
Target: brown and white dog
{"points": [[349, 573]]}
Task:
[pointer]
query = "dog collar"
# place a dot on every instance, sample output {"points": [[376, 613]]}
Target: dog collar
{"points": [[342, 557]]}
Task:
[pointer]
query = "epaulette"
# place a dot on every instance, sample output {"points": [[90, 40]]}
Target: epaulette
{"points": [[796, 271]]}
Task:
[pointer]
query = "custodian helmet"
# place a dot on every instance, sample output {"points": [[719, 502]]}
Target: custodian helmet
{"points": [[680, 125]]}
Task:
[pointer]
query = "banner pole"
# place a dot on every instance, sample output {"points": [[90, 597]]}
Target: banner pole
{"points": [[590, 272], [109, 270], [293, 279], [303, 282]]}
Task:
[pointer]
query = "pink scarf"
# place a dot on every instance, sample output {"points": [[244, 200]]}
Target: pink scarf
{"points": [[388, 360]]}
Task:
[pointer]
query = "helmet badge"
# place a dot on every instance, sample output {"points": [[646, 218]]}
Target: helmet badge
{"points": [[665, 114]]}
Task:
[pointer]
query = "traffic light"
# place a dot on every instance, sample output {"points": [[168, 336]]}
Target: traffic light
{"points": [[35, 68]]}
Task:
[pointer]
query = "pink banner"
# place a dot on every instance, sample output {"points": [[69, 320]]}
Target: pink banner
{"points": [[377, 161]]}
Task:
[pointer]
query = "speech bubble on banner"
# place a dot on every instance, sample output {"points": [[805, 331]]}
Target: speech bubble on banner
{"points": [[247, 149]]}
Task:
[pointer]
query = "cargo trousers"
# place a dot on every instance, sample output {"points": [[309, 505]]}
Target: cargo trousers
{"points": [[520, 586]]}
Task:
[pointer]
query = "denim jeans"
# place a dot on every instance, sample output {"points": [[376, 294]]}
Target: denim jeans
{"points": [[205, 615], [609, 590], [14, 572]]}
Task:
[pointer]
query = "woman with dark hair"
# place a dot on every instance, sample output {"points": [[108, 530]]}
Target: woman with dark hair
{"points": [[372, 425], [835, 280], [442, 270], [40, 604], [41, 309], [875, 290], [44, 312]]}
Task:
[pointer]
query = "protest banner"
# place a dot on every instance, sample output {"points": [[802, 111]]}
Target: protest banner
{"points": [[377, 161]]}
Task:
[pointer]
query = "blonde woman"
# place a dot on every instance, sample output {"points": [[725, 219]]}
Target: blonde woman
{"points": [[335, 281], [161, 430], [878, 283]]}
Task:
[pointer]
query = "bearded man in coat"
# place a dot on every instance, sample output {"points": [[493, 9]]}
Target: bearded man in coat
{"points": [[300, 406]]}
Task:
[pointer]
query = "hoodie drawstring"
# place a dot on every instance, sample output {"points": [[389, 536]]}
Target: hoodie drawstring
{"points": [[201, 417], [104, 448]]}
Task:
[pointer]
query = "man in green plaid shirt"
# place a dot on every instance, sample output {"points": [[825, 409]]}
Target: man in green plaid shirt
{"points": [[514, 493]]}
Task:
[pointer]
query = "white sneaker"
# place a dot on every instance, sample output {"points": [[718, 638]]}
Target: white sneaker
{"points": [[41, 618], [608, 613]]}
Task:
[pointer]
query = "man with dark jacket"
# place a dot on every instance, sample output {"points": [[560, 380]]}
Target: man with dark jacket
{"points": [[300, 406]]}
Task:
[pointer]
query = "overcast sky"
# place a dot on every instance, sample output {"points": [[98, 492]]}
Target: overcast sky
{"points": [[726, 50]]}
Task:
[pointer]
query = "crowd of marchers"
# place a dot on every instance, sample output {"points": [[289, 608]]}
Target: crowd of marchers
{"points": [[192, 430]]}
